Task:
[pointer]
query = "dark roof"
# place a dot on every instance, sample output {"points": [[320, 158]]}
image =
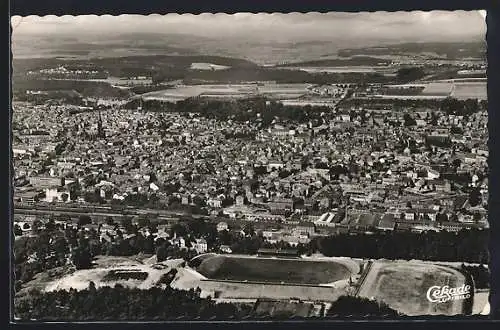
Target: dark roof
{"points": [[350, 219], [459, 201], [278, 252], [404, 225], [305, 224], [27, 194], [422, 210], [367, 219]]}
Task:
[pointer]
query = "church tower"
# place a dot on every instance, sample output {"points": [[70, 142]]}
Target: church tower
{"points": [[100, 130]]}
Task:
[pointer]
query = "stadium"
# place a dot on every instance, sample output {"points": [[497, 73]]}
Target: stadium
{"points": [[228, 277]]}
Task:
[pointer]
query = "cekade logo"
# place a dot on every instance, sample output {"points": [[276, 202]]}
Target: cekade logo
{"points": [[441, 294]]}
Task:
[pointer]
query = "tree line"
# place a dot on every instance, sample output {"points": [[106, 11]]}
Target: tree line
{"points": [[124, 304], [162, 303], [359, 307], [464, 246], [448, 105], [83, 87], [480, 274], [238, 110]]}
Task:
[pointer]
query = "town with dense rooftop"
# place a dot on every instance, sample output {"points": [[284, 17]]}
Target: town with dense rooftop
{"points": [[351, 168], [296, 189]]}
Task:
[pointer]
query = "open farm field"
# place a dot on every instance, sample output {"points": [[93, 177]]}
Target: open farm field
{"points": [[224, 90], [208, 66], [470, 90], [438, 88], [332, 69], [461, 89]]}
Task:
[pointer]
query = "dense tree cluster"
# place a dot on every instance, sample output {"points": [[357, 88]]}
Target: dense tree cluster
{"points": [[127, 304], [236, 75], [82, 257], [52, 247], [452, 106], [466, 245], [358, 307], [447, 105], [475, 197], [140, 89], [46, 250], [257, 109], [409, 120], [124, 304], [480, 274], [405, 75], [86, 88]]}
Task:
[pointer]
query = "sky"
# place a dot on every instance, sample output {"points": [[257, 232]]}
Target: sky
{"points": [[401, 26]]}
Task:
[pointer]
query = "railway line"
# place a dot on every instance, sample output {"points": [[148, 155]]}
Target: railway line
{"points": [[78, 210]]}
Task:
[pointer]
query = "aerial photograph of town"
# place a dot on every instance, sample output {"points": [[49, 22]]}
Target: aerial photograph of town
{"points": [[248, 167]]}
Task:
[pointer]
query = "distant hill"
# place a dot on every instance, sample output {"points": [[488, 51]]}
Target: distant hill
{"points": [[354, 61], [104, 46], [138, 64], [91, 45], [448, 50]]}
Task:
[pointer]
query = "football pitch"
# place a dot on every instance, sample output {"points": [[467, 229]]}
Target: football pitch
{"points": [[404, 285]]}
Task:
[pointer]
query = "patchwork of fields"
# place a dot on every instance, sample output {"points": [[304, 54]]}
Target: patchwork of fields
{"points": [[234, 90], [291, 92], [460, 89]]}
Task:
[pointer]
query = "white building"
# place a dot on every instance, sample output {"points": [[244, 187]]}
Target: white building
{"points": [[178, 241], [225, 249], [215, 203], [57, 195], [222, 226], [200, 245]]}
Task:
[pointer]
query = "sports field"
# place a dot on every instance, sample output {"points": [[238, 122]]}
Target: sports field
{"points": [[404, 285], [271, 270], [220, 290]]}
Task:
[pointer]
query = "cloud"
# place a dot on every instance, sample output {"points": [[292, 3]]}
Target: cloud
{"points": [[407, 26]]}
